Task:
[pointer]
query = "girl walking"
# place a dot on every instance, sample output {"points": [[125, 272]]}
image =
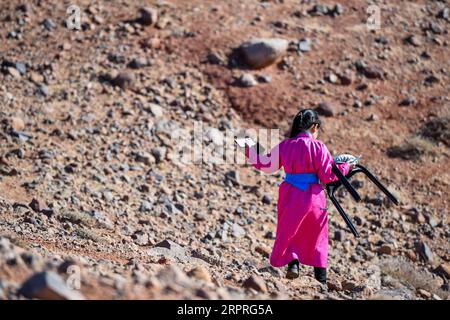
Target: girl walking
{"points": [[302, 223]]}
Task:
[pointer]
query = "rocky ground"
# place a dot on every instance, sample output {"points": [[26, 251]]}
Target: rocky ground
{"points": [[91, 196]]}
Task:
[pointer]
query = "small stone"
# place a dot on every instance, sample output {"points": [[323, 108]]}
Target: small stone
{"points": [[35, 205], [361, 87], [108, 196], [266, 199], [48, 24], [124, 80], [373, 117], [43, 90], [144, 188], [432, 221], [152, 43], [247, 80], [369, 102], [419, 218], [23, 7], [48, 286], [357, 104], [319, 10], [407, 101], [338, 9], [334, 285], [444, 270], [423, 293], [138, 63], [265, 78], [269, 235], [156, 110], [141, 238], [146, 206], [382, 40], [345, 79], [36, 78], [263, 250], [304, 45], [14, 73], [325, 109], [233, 176], [16, 123], [374, 238], [425, 55], [199, 194], [48, 212], [66, 46], [332, 78], [64, 266], [98, 19], [444, 14], [144, 157], [200, 273], [159, 153], [148, 16], [199, 216], [359, 220], [237, 231], [435, 28], [424, 251], [168, 244], [386, 249], [348, 285], [128, 28], [411, 255], [339, 235], [256, 283], [430, 80], [215, 58], [70, 168], [371, 72], [413, 40], [13, 35], [239, 211], [20, 67]]}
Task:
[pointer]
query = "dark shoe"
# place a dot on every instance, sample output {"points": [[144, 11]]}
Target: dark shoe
{"points": [[293, 270], [320, 274]]}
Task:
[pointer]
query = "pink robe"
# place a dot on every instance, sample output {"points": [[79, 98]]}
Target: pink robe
{"points": [[302, 228]]}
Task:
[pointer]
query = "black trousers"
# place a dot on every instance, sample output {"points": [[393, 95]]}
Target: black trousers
{"points": [[320, 274]]}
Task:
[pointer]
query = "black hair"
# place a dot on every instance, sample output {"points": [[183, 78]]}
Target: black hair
{"points": [[303, 121]]}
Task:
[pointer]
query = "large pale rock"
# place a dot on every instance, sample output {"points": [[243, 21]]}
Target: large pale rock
{"points": [[259, 53]]}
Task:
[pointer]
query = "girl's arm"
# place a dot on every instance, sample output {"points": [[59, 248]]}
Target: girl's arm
{"points": [[323, 161], [268, 163]]}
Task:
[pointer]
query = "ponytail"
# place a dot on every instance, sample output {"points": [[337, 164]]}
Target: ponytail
{"points": [[303, 121]]}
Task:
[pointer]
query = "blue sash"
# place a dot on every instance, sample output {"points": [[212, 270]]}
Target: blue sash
{"points": [[301, 180]]}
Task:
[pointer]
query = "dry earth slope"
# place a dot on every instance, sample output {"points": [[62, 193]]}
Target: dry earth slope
{"points": [[90, 194]]}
